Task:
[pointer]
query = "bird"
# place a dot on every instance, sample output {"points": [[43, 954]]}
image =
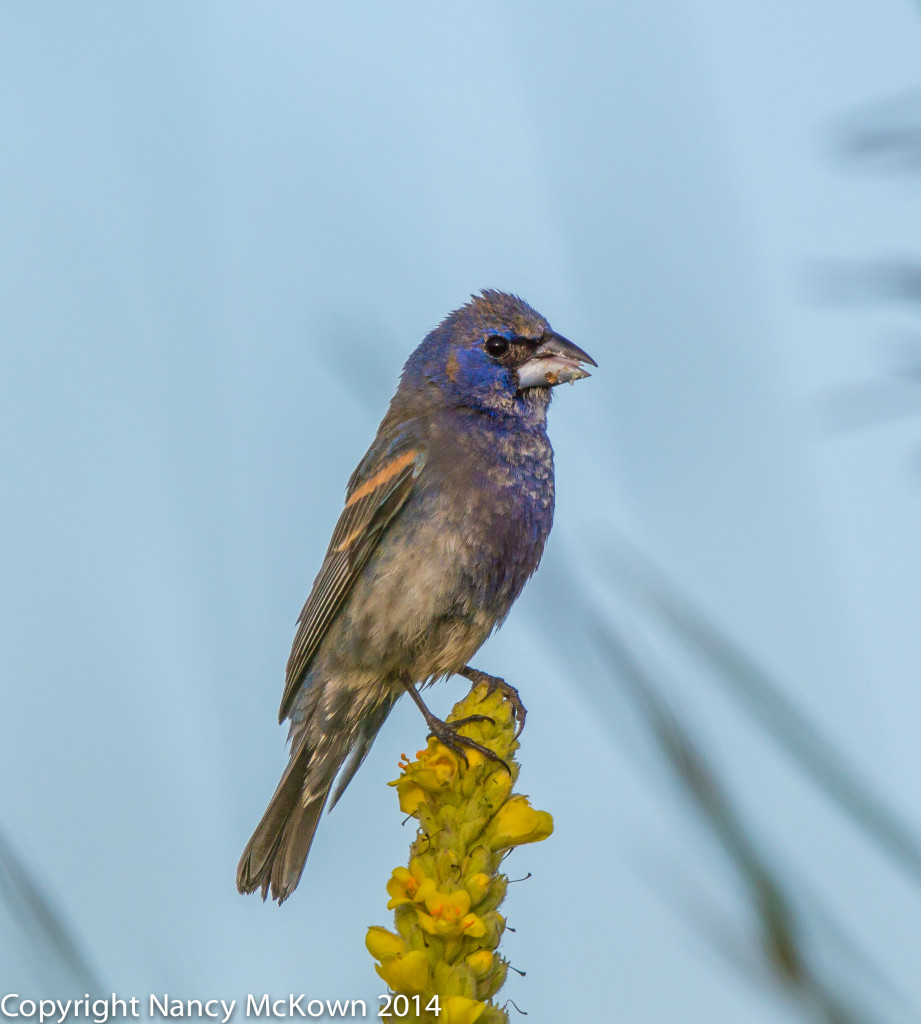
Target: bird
{"points": [[445, 520]]}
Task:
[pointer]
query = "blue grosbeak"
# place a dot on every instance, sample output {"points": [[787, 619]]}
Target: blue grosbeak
{"points": [[445, 520]]}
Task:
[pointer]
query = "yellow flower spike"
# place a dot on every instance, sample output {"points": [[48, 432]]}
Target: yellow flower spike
{"points": [[460, 1010], [445, 903]]}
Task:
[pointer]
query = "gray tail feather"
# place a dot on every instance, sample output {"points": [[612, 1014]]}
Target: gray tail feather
{"points": [[369, 728], [275, 855]]}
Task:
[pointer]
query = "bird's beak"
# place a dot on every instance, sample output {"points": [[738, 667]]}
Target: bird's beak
{"points": [[555, 361]]}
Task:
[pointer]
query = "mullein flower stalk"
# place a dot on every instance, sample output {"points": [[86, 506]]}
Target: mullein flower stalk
{"points": [[442, 961]]}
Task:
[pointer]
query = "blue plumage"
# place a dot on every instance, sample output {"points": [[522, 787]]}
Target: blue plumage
{"points": [[445, 520]]}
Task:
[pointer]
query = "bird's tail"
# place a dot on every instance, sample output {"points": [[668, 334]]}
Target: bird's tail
{"points": [[273, 860], [274, 857]]}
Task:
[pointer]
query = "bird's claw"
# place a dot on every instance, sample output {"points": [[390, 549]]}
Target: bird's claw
{"points": [[447, 733], [493, 683], [473, 718]]}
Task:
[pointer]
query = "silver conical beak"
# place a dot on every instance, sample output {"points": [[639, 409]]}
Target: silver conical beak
{"points": [[556, 361]]}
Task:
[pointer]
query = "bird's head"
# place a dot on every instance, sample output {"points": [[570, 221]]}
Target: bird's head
{"points": [[495, 354]]}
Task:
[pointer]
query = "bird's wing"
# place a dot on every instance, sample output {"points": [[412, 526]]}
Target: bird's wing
{"points": [[374, 497]]}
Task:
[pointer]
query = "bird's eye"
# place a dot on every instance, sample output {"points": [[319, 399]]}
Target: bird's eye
{"points": [[497, 345]]}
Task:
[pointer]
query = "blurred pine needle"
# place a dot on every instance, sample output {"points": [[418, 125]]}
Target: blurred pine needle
{"points": [[767, 702], [42, 926], [784, 948]]}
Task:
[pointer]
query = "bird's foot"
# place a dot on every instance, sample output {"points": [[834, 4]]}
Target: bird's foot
{"points": [[493, 683], [447, 733]]}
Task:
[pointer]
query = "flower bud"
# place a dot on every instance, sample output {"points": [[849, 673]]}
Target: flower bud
{"points": [[383, 944], [460, 1010]]}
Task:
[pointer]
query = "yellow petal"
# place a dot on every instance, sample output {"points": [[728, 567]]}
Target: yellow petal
{"points": [[517, 822], [473, 926], [383, 944], [416, 869], [461, 1010], [427, 923], [417, 892], [427, 779], [451, 906], [406, 972], [400, 888], [440, 763], [411, 795], [446, 927], [426, 887]]}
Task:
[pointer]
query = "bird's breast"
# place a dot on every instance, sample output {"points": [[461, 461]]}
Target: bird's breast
{"points": [[455, 559], [496, 489]]}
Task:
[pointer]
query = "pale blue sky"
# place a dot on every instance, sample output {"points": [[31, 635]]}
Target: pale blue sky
{"points": [[223, 227]]}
